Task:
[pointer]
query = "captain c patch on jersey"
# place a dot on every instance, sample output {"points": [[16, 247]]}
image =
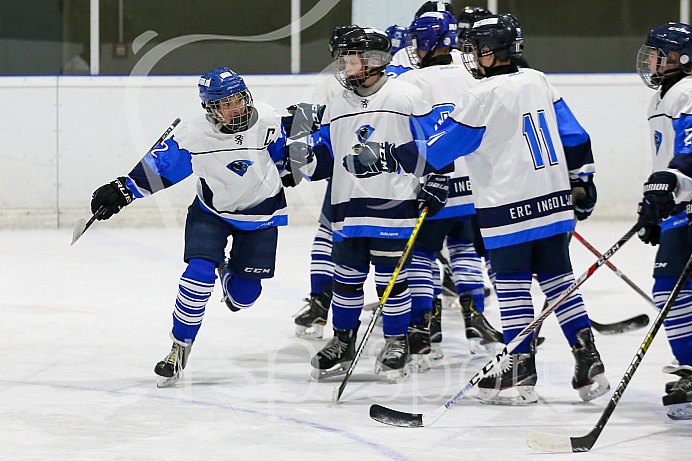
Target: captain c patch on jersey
{"points": [[239, 166]]}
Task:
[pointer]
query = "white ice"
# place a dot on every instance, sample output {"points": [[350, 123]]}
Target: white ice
{"points": [[81, 328]]}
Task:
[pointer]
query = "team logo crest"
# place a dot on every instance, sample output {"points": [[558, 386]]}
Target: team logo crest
{"points": [[657, 140], [364, 103], [239, 139], [239, 166], [364, 133]]}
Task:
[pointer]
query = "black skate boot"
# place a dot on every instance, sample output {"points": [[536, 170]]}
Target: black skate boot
{"points": [[678, 398], [518, 372], [171, 367], [310, 321], [436, 330], [483, 338], [335, 358], [589, 377], [224, 275], [419, 344], [394, 358]]}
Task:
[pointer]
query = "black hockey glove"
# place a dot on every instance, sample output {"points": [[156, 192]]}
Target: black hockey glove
{"points": [[658, 202], [113, 196], [434, 193], [304, 119], [688, 209], [583, 196], [650, 233], [371, 159], [296, 155]]}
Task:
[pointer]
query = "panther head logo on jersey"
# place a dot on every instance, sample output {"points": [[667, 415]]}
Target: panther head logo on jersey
{"points": [[364, 133], [239, 166]]}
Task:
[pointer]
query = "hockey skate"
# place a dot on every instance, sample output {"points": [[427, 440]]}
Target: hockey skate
{"points": [[419, 345], [394, 358], [224, 275], [482, 337], [589, 373], [171, 367], [335, 358], [310, 321], [517, 378], [678, 398], [435, 327]]}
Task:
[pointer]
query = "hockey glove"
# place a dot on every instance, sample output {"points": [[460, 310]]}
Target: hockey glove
{"points": [[650, 233], [434, 193], [658, 202], [583, 196], [113, 196], [371, 159], [688, 209], [304, 119]]}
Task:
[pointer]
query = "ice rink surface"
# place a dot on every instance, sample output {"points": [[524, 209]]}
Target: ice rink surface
{"points": [[83, 326]]}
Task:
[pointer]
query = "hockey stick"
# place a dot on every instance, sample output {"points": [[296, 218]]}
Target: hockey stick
{"points": [[82, 225], [635, 323], [564, 444], [399, 418], [336, 395]]}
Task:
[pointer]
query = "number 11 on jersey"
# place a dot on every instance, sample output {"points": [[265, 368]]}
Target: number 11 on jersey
{"points": [[539, 146]]}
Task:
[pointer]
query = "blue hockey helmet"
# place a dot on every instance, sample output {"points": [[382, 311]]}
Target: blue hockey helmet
{"points": [[370, 46], [339, 32], [667, 51], [226, 98], [468, 16], [433, 6], [430, 31], [397, 35], [498, 35]]}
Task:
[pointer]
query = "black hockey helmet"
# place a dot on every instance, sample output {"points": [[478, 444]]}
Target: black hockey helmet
{"points": [[468, 16], [666, 52], [371, 45], [434, 6], [498, 35], [339, 32]]}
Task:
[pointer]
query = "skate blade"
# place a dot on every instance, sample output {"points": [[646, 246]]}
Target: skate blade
{"points": [[336, 370], [420, 363], [680, 411], [519, 395], [478, 347], [436, 352], [597, 387], [163, 381], [313, 332]]}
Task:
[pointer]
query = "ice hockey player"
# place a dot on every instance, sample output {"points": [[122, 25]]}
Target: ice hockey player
{"points": [[664, 63], [310, 321], [431, 38], [236, 150], [397, 35], [400, 61], [524, 222], [373, 215]]}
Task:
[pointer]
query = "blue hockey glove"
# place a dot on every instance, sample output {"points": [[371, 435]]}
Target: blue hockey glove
{"points": [[304, 119], [434, 193], [650, 233], [583, 196], [114, 196], [371, 159], [658, 202]]}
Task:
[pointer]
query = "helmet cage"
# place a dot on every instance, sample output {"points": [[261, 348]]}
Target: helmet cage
{"points": [[469, 57], [372, 62], [650, 61], [240, 102]]}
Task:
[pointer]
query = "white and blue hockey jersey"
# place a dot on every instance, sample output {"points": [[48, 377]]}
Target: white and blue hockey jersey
{"points": [[442, 87], [238, 174], [525, 145], [384, 205], [401, 62], [670, 128]]}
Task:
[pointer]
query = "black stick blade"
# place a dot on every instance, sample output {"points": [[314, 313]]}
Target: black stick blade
{"points": [[553, 443], [386, 415], [632, 324]]}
